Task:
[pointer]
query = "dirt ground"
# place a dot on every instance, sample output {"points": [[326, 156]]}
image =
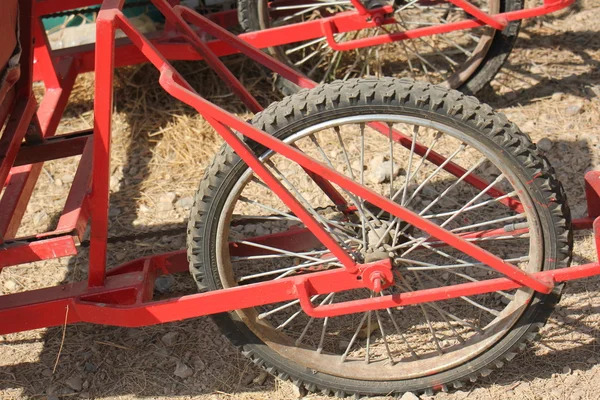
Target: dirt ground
{"points": [[550, 88]]}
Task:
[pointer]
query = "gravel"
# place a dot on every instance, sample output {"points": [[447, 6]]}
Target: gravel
{"points": [[170, 338], [544, 144], [409, 396], [75, 383], [182, 370]]}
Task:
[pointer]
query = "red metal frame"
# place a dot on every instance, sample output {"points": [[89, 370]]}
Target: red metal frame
{"points": [[124, 296]]}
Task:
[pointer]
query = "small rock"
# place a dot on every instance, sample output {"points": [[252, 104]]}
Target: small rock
{"points": [[558, 96], [47, 372], [168, 197], [89, 367], [573, 109], [544, 144], [376, 161], [114, 212], [299, 392], [169, 339], [11, 285], [260, 379], [409, 396], [198, 363], [58, 182], [86, 384], [592, 360], [566, 370], [445, 276], [144, 208], [75, 383], [164, 283], [40, 217], [563, 147], [247, 380], [68, 178], [185, 202], [183, 371], [259, 230], [164, 206], [385, 171], [163, 352], [114, 182]]}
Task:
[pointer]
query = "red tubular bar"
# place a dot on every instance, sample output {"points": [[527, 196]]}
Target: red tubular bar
{"points": [[20, 253], [103, 106], [498, 23], [53, 148], [117, 302], [13, 134], [329, 27]]}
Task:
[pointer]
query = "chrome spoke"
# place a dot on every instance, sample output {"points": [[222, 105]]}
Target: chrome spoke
{"points": [[349, 347], [326, 300], [383, 336]]}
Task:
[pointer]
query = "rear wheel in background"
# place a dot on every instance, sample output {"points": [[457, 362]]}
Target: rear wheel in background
{"points": [[416, 348], [465, 60]]}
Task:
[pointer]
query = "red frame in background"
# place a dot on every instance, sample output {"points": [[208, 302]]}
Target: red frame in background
{"points": [[124, 296]]}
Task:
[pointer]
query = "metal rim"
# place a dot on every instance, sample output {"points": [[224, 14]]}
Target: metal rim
{"points": [[382, 369]]}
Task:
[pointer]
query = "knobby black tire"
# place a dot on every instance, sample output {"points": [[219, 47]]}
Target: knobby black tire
{"points": [[401, 96]]}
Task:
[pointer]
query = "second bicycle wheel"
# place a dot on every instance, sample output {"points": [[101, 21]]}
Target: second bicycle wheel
{"points": [[444, 156], [465, 60]]}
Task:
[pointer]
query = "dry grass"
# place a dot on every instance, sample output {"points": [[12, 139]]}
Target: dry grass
{"points": [[162, 146]]}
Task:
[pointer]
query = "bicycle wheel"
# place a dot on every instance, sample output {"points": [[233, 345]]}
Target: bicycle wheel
{"points": [[465, 60], [239, 232]]}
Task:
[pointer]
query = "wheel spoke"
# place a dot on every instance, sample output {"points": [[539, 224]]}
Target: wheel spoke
{"points": [[383, 335], [354, 337], [326, 300]]}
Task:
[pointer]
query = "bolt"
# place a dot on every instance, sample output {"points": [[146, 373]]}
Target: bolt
{"points": [[378, 280]]}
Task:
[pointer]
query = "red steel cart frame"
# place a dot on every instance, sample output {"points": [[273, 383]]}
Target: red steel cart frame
{"points": [[123, 296]]}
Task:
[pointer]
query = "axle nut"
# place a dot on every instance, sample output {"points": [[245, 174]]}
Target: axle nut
{"points": [[378, 280]]}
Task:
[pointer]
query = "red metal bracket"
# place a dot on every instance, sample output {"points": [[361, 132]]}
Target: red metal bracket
{"points": [[592, 193]]}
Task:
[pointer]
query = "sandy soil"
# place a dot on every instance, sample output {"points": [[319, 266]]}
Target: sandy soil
{"points": [[550, 88]]}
